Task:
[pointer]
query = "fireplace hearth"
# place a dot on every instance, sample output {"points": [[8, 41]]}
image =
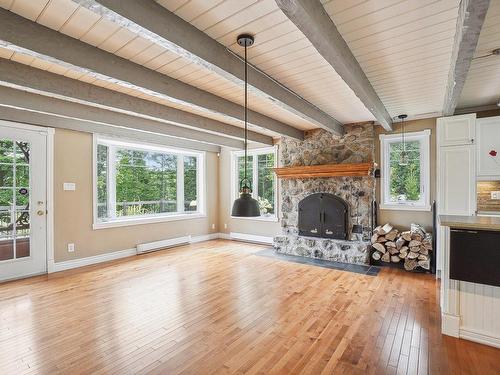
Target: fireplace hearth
{"points": [[323, 215]]}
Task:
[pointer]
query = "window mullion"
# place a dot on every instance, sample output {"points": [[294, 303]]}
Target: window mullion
{"points": [[111, 182], [180, 183], [255, 175]]}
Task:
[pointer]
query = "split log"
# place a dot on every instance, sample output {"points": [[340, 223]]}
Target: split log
{"points": [[404, 249], [392, 250], [391, 236], [406, 236], [423, 257], [376, 255], [381, 239], [425, 264], [410, 264], [415, 249], [414, 243], [400, 242], [379, 247], [385, 229], [412, 255], [417, 237], [403, 254], [374, 237], [395, 259], [390, 244], [424, 251], [417, 229], [386, 258], [377, 229]]}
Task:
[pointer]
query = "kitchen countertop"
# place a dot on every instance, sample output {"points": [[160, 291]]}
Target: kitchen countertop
{"points": [[470, 222]]}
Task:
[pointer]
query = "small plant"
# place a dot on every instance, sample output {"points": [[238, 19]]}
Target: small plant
{"points": [[264, 205]]}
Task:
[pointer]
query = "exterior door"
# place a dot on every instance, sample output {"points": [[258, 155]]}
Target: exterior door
{"points": [[23, 199]]}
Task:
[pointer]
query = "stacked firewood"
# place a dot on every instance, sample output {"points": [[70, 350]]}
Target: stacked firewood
{"points": [[412, 247]]}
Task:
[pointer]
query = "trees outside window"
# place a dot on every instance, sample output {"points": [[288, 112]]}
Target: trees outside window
{"points": [[405, 185], [261, 177], [139, 180]]}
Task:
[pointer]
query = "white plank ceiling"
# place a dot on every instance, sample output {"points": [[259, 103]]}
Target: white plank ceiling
{"points": [[404, 47], [482, 86]]}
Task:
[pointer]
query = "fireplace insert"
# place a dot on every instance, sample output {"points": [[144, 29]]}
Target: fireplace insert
{"points": [[323, 215]]}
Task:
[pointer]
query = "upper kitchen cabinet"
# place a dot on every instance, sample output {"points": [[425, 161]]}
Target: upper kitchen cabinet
{"points": [[457, 130], [488, 150]]}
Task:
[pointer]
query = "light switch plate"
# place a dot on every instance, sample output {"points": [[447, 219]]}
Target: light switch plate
{"points": [[69, 186], [495, 195], [71, 247]]}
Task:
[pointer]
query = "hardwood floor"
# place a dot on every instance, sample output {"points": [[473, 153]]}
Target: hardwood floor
{"points": [[217, 308]]}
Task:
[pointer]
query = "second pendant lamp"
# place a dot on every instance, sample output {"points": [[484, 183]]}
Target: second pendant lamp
{"points": [[245, 205]]}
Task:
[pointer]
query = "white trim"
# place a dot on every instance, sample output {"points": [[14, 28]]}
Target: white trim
{"points": [[480, 337], [450, 325], [205, 237], [49, 202], [424, 138], [162, 244], [251, 238], [258, 218], [81, 262], [146, 220], [112, 142], [235, 183]]}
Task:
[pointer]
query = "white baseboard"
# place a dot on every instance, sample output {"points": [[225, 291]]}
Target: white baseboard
{"points": [[251, 238], [75, 263], [480, 337], [172, 242], [205, 237], [450, 325], [163, 244]]}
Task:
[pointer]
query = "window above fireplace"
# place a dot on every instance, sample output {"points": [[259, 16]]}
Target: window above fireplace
{"points": [[261, 177], [405, 186]]}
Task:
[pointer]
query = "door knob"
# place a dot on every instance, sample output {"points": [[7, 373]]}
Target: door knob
{"points": [[40, 212]]}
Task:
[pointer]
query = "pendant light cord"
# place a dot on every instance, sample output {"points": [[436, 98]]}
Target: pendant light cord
{"points": [[246, 109], [404, 143]]}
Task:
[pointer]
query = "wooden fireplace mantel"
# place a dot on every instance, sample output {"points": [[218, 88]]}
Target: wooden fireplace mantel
{"points": [[325, 170]]}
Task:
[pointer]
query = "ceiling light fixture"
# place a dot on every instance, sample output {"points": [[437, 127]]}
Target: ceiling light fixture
{"points": [[245, 205], [403, 158]]}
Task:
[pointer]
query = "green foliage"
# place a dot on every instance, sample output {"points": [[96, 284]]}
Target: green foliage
{"points": [[405, 179]]}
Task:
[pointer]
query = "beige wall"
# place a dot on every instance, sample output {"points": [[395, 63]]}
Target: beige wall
{"points": [[73, 209], [248, 226], [403, 219]]}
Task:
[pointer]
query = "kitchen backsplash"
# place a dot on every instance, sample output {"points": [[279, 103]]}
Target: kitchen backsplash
{"points": [[484, 201]]}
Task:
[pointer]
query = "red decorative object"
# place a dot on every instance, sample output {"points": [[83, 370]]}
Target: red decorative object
{"points": [[493, 153]]}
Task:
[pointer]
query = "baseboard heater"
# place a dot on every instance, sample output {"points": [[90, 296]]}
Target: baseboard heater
{"points": [[163, 244]]}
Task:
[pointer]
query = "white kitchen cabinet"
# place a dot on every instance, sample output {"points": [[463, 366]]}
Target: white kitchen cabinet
{"points": [[488, 147], [457, 180], [457, 130]]}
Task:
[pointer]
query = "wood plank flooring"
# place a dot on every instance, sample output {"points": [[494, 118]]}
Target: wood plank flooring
{"points": [[217, 308]]}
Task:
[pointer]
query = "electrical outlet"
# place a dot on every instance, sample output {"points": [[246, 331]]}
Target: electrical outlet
{"points": [[69, 186], [71, 248], [495, 195], [225, 226], [213, 226]]}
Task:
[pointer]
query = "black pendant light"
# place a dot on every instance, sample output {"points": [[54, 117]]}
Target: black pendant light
{"points": [[245, 205], [403, 158]]}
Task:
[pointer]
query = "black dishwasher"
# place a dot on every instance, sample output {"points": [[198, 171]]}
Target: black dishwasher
{"points": [[475, 256]]}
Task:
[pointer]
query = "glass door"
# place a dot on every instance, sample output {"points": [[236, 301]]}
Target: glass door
{"points": [[22, 202]]}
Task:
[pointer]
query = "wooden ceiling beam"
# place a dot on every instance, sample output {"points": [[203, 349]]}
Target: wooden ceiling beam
{"points": [[312, 20], [13, 98], [153, 22], [16, 75], [21, 35], [470, 21]]}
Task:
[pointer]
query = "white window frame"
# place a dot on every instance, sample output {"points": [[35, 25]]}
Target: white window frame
{"points": [[149, 147], [385, 140], [235, 183]]}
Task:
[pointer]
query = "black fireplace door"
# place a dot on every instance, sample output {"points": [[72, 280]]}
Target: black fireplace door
{"points": [[334, 220], [310, 216], [323, 215]]}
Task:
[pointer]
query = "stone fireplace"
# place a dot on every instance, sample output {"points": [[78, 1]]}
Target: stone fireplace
{"points": [[319, 214]]}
